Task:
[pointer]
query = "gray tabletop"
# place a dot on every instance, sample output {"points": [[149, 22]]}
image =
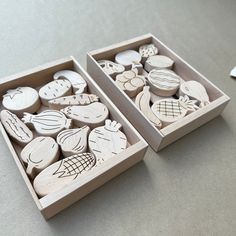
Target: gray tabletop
{"points": [[189, 188]]}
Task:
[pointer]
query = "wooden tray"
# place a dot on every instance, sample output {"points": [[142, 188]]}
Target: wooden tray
{"points": [[51, 204], [157, 139]]}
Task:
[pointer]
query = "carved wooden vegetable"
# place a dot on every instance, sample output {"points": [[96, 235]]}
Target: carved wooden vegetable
{"points": [[142, 101], [158, 62], [194, 90], [16, 129], [78, 99], [130, 82], [78, 83], [48, 123], [62, 173], [39, 154], [164, 82], [126, 58], [73, 141], [21, 99], [92, 115], [107, 141], [55, 89], [170, 110], [147, 50], [111, 68]]}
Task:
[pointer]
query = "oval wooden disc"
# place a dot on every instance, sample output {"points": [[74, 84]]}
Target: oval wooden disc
{"points": [[158, 62], [126, 58]]}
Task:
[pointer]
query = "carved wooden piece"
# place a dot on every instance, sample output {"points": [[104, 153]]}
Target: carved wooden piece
{"points": [[111, 68], [107, 141], [73, 141], [39, 154], [16, 129], [158, 62], [130, 82], [78, 99], [137, 66], [170, 110], [92, 115], [78, 83], [47, 123], [126, 58], [163, 82], [147, 50], [21, 99], [62, 173], [55, 89], [194, 90], [142, 101]]}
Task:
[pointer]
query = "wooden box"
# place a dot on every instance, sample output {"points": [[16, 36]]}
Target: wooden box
{"points": [[157, 139], [51, 204]]}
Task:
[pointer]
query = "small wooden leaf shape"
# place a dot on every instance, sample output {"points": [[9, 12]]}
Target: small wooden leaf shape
{"points": [[126, 58], [92, 115], [142, 101], [194, 90], [21, 99], [78, 83], [47, 123], [54, 89], [16, 129], [130, 82], [78, 99], [164, 82], [170, 110], [62, 173], [158, 62], [39, 154], [107, 141], [147, 50], [73, 141], [233, 72], [111, 68]]}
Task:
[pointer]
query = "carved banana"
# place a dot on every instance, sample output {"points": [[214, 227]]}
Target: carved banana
{"points": [[142, 101]]}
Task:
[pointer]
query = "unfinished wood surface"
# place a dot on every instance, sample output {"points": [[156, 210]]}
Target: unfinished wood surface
{"points": [[78, 99], [21, 99], [73, 141], [147, 50], [130, 82], [55, 89], [107, 141], [163, 82], [48, 122], [194, 90], [92, 115], [16, 129], [158, 62], [127, 57], [111, 68], [78, 83], [39, 154], [142, 101], [62, 173]]}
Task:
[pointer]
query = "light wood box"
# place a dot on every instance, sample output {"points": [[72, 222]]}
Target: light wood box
{"points": [[53, 203], [157, 139]]}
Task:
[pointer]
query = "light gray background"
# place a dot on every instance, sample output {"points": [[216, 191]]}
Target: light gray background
{"points": [[186, 189]]}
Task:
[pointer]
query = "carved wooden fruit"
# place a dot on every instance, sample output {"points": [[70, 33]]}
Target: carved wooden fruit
{"points": [[142, 101], [92, 115], [111, 68], [126, 58], [195, 90], [130, 82], [16, 129], [170, 110], [21, 99], [39, 154], [78, 99], [73, 141], [164, 82], [48, 123], [78, 83], [107, 141], [147, 50], [158, 62], [55, 89], [62, 173]]}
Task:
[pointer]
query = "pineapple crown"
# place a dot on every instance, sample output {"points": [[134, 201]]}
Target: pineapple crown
{"points": [[188, 104], [112, 126]]}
